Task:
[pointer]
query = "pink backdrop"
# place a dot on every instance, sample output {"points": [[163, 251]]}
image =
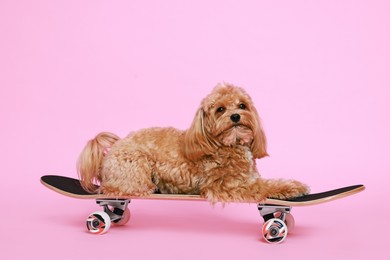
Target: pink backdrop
{"points": [[317, 70]]}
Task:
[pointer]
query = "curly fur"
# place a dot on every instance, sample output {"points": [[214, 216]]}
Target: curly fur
{"points": [[215, 157]]}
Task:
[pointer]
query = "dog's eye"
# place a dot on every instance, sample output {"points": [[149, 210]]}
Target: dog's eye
{"points": [[220, 109], [242, 106]]}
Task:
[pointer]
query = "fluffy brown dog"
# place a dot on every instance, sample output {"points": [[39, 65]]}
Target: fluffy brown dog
{"points": [[215, 157]]}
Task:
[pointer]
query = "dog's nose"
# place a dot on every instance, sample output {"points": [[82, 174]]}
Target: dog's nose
{"points": [[235, 118]]}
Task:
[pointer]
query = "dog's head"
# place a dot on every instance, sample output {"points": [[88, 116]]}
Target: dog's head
{"points": [[226, 117]]}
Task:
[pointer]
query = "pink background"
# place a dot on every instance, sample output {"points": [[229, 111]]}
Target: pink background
{"points": [[318, 72]]}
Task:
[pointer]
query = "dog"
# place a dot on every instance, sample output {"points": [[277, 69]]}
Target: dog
{"points": [[215, 158]]}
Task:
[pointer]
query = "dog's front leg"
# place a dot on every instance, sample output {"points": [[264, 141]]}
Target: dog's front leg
{"points": [[228, 189], [232, 185]]}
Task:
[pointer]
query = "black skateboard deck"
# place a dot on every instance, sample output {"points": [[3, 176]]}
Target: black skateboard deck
{"points": [[276, 213]]}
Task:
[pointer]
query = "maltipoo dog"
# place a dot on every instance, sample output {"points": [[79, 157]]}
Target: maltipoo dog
{"points": [[214, 158]]}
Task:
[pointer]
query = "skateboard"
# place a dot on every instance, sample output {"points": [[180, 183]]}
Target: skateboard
{"points": [[276, 213]]}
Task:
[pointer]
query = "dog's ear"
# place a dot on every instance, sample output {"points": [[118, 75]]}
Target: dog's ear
{"points": [[259, 144], [196, 142]]}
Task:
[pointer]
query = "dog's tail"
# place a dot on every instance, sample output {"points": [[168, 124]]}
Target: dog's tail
{"points": [[91, 158]]}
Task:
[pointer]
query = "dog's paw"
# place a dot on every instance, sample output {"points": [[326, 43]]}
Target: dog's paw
{"points": [[299, 189], [287, 189]]}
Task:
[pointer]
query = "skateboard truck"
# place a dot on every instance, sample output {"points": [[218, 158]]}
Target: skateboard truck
{"points": [[114, 208], [115, 211], [278, 221]]}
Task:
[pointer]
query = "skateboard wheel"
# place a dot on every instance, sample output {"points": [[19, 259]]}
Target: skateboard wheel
{"points": [[290, 222], [98, 222], [125, 218], [274, 231]]}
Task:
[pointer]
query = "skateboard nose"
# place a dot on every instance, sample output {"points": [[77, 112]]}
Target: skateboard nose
{"points": [[235, 118]]}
